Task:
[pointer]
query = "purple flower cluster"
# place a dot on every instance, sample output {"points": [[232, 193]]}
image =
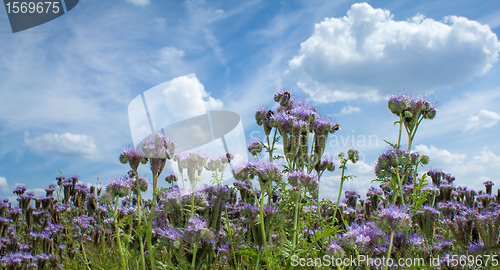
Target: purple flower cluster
{"points": [[410, 107], [308, 180]]}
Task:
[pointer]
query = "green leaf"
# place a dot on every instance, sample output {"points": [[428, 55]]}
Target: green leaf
{"points": [[393, 145]]}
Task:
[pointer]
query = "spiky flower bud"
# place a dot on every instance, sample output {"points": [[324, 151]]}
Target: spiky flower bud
{"points": [[255, 147], [119, 188], [352, 155]]}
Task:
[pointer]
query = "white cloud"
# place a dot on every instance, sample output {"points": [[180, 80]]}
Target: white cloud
{"points": [[442, 155], [4, 186], [169, 103], [470, 172], [350, 110], [367, 51], [187, 96], [363, 168], [139, 2], [484, 119], [170, 56], [65, 144]]}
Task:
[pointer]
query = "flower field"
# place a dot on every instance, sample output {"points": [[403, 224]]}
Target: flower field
{"points": [[271, 218]]}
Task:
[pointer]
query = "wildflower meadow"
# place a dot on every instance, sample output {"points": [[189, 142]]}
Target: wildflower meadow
{"points": [[271, 217]]}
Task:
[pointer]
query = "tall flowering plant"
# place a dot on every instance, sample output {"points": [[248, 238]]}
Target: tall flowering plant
{"points": [[281, 225], [399, 167]]}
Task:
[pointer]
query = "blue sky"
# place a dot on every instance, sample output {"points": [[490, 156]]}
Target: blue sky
{"points": [[65, 86]]}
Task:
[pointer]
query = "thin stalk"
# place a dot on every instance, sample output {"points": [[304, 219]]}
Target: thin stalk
{"points": [[230, 239], [390, 245], [139, 205], [150, 224], [195, 248], [295, 220], [262, 227], [192, 202], [340, 190], [400, 129], [261, 212], [400, 184], [117, 229], [412, 134], [85, 255]]}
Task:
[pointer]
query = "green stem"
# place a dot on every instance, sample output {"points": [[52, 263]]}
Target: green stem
{"points": [[262, 227], [85, 255], [230, 239], [400, 185], [340, 190], [117, 229], [390, 245], [400, 129], [139, 211], [192, 202], [295, 220], [195, 248], [150, 224]]}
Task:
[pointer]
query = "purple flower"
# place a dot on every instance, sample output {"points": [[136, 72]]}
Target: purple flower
{"points": [[373, 192], [140, 183], [488, 184], [477, 247], [19, 190], [171, 178], [323, 126], [267, 171], [255, 147], [193, 162], [197, 229], [363, 238], [335, 251], [283, 121], [283, 98], [394, 218], [326, 164], [217, 164], [410, 107], [307, 180], [84, 222], [158, 147], [132, 157], [417, 242], [118, 187]]}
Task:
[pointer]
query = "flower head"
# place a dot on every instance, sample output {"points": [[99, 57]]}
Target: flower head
{"points": [[157, 146], [307, 180], [255, 147], [267, 171], [118, 187], [394, 218], [140, 183], [132, 157], [19, 190]]}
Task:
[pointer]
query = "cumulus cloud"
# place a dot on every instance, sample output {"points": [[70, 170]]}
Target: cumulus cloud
{"points": [[169, 103], [62, 144], [470, 172], [350, 110], [484, 119], [139, 2], [187, 96], [444, 156], [4, 186], [169, 56], [367, 51]]}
